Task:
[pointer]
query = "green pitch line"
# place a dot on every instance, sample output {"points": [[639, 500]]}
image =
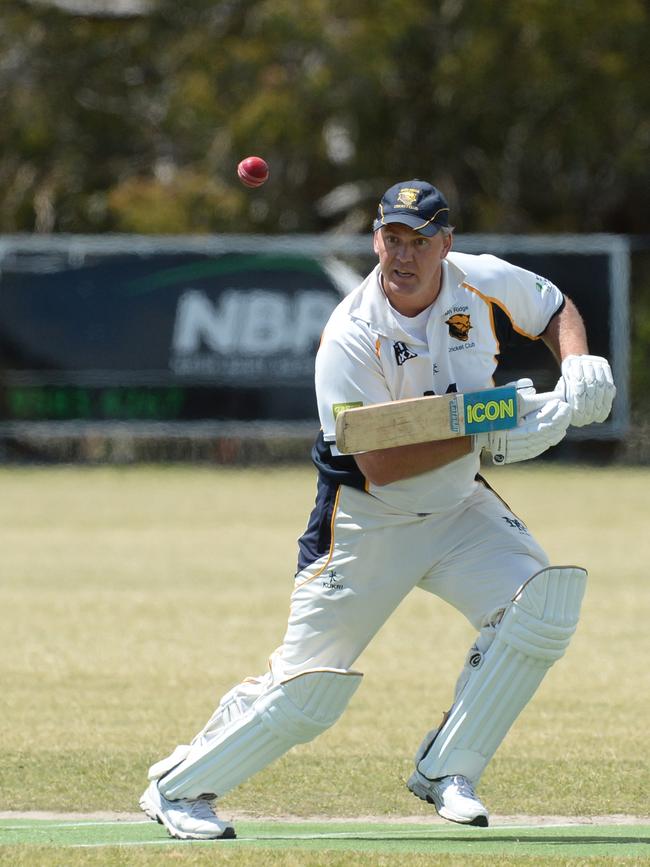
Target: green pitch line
{"points": [[557, 840]]}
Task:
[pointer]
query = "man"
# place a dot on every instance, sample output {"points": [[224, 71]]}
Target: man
{"points": [[425, 321]]}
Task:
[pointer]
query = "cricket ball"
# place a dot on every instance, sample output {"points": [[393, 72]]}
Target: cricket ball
{"points": [[253, 171]]}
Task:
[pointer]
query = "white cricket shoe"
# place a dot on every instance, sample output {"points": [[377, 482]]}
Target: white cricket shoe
{"points": [[186, 818], [453, 797]]}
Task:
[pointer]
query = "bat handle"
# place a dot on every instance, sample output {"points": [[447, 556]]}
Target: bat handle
{"points": [[538, 400]]}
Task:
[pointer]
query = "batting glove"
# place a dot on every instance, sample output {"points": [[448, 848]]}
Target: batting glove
{"points": [[589, 388], [536, 432]]}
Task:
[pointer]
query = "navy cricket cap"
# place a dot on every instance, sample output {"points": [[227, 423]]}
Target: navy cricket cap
{"points": [[415, 203]]}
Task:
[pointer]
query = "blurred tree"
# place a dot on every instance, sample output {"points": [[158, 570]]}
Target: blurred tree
{"points": [[533, 115]]}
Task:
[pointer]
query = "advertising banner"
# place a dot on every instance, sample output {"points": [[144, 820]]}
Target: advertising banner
{"points": [[225, 329], [161, 336]]}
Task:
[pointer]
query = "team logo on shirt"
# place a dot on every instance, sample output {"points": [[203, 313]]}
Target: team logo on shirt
{"points": [[459, 326], [543, 285], [402, 352]]}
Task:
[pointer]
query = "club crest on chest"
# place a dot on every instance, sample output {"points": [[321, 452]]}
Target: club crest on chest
{"points": [[459, 326]]}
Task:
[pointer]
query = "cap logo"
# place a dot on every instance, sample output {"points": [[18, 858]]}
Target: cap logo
{"points": [[407, 198]]}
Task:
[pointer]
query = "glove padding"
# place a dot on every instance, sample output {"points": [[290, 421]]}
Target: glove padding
{"points": [[589, 388], [536, 432]]}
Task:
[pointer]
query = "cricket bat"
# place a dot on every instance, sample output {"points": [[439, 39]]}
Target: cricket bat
{"points": [[435, 417]]}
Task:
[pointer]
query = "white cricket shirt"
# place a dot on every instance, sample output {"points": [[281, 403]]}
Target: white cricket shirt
{"points": [[369, 354]]}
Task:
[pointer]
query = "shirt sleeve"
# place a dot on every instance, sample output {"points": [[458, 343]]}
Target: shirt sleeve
{"points": [[348, 374], [529, 300]]}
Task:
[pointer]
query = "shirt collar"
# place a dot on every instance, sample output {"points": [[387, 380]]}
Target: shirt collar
{"points": [[372, 307]]}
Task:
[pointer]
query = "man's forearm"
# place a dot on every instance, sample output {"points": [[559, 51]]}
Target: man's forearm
{"points": [[384, 466], [566, 334]]}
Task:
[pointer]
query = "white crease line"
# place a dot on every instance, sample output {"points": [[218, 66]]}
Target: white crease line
{"points": [[162, 842], [379, 836], [46, 825], [431, 833]]}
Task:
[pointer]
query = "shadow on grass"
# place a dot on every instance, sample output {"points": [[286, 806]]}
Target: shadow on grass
{"points": [[480, 837]]}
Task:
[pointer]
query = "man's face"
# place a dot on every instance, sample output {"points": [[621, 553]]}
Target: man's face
{"points": [[410, 266]]}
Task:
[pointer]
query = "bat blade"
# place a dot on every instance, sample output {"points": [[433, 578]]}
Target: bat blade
{"points": [[420, 419]]}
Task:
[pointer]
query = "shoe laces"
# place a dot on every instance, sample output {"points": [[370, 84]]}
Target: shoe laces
{"points": [[200, 808], [464, 787]]}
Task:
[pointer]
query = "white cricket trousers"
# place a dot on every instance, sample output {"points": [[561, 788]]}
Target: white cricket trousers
{"points": [[474, 556]]}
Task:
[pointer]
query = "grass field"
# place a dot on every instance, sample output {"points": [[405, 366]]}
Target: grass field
{"points": [[134, 597]]}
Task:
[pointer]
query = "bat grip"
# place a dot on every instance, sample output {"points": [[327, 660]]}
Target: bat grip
{"points": [[538, 400]]}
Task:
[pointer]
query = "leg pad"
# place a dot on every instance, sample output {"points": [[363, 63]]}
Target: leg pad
{"points": [[534, 632], [283, 715]]}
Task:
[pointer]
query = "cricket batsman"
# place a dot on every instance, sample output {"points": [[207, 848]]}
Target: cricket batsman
{"points": [[426, 320]]}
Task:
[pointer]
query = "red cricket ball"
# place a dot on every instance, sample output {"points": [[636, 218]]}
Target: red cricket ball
{"points": [[253, 171]]}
